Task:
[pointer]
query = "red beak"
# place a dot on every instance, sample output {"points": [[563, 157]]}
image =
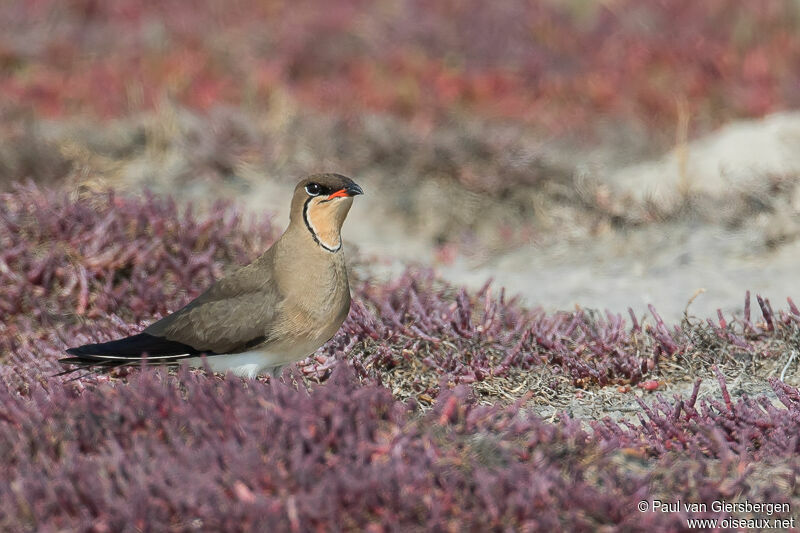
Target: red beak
{"points": [[341, 193]]}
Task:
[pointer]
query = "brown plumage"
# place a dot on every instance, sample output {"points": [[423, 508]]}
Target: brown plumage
{"points": [[278, 309]]}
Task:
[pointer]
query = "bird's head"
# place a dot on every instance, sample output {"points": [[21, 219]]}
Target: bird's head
{"points": [[321, 203]]}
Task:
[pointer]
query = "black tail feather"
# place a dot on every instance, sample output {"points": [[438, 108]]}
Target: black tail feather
{"points": [[135, 346], [142, 348]]}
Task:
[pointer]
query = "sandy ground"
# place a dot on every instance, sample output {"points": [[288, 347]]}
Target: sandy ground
{"points": [[663, 266]]}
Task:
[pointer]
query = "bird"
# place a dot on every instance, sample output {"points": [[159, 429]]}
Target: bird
{"points": [[272, 312]]}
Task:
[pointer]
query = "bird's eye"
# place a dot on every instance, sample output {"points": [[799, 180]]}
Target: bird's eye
{"points": [[313, 189]]}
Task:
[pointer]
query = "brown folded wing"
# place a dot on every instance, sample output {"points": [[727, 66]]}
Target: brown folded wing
{"points": [[236, 314]]}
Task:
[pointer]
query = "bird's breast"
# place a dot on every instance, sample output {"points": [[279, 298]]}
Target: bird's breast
{"points": [[317, 298]]}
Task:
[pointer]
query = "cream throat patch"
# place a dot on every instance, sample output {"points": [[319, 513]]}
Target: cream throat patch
{"points": [[320, 217]]}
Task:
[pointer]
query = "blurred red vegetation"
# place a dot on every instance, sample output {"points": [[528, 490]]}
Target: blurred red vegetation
{"points": [[193, 452], [550, 64]]}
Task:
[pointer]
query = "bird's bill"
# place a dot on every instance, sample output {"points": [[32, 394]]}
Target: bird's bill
{"points": [[350, 190]]}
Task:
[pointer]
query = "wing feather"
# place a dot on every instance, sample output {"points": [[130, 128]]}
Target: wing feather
{"points": [[227, 318]]}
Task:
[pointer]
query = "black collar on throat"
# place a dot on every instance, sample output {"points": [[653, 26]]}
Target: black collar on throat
{"points": [[314, 233]]}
